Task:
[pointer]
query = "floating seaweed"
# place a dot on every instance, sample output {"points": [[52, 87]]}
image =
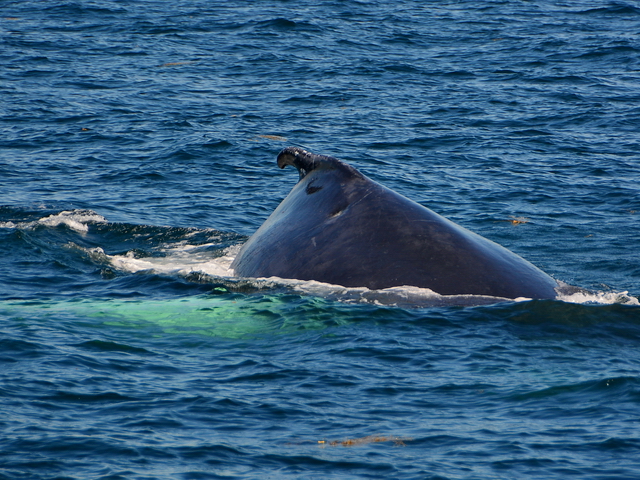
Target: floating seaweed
{"points": [[174, 64], [517, 220], [270, 137]]}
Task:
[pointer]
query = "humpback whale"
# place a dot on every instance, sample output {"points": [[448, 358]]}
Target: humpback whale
{"points": [[338, 226]]}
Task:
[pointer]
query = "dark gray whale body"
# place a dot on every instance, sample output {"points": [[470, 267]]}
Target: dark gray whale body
{"points": [[338, 226]]}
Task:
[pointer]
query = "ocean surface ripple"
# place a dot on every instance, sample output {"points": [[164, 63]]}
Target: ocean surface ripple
{"points": [[137, 152]]}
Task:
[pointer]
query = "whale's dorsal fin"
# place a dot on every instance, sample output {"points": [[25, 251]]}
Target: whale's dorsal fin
{"points": [[306, 162]]}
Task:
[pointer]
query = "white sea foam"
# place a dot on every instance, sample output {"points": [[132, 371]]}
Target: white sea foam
{"points": [[416, 296], [601, 298], [178, 259], [394, 296], [77, 220], [74, 219]]}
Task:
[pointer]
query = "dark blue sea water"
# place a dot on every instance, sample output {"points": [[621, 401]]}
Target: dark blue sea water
{"points": [[137, 152]]}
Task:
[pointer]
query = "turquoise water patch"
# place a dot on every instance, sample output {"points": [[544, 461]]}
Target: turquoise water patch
{"points": [[219, 316]]}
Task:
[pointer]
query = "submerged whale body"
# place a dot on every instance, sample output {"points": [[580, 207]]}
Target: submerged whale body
{"points": [[338, 226]]}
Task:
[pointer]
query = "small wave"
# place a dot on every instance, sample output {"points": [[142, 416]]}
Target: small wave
{"points": [[615, 8], [72, 9], [76, 220], [577, 392], [285, 24]]}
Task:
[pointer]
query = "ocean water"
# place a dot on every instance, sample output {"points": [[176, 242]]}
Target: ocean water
{"points": [[137, 153]]}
